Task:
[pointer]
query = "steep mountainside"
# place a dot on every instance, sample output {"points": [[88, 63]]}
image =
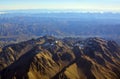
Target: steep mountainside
{"points": [[69, 58]]}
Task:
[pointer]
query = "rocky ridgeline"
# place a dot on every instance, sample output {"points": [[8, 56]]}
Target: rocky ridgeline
{"points": [[69, 58]]}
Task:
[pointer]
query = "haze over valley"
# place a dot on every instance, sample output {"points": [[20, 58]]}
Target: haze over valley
{"points": [[21, 25]]}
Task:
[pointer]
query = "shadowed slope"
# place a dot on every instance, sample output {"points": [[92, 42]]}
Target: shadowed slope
{"points": [[52, 58]]}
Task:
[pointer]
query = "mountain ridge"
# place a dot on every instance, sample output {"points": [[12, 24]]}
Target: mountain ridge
{"points": [[52, 58]]}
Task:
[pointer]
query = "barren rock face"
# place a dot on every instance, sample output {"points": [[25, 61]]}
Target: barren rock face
{"points": [[51, 58]]}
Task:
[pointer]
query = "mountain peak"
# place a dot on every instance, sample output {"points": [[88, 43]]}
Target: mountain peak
{"points": [[52, 58]]}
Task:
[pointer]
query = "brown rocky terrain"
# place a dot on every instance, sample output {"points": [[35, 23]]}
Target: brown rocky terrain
{"points": [[52, 58]]}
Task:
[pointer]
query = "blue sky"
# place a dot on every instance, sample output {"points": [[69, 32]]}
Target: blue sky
{"points": [[89, 5]]}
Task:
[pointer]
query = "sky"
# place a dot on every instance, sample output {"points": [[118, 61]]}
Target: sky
{"points": [[84, 5]]}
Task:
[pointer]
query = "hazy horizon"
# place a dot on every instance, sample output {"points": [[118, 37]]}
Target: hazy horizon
{"points": [[87, 5]]}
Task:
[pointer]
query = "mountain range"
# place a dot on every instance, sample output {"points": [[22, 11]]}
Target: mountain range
{"points": [[17, 26], [49, 57]]}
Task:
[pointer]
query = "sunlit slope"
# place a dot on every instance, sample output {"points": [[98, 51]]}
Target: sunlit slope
{"points": [[52, 58]]}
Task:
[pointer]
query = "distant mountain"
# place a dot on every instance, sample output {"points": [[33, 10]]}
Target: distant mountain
{"points": [[68, 58], [15, 25]]}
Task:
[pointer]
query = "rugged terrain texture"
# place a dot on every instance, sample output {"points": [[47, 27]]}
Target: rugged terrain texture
{"points": [[69, 58]]}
